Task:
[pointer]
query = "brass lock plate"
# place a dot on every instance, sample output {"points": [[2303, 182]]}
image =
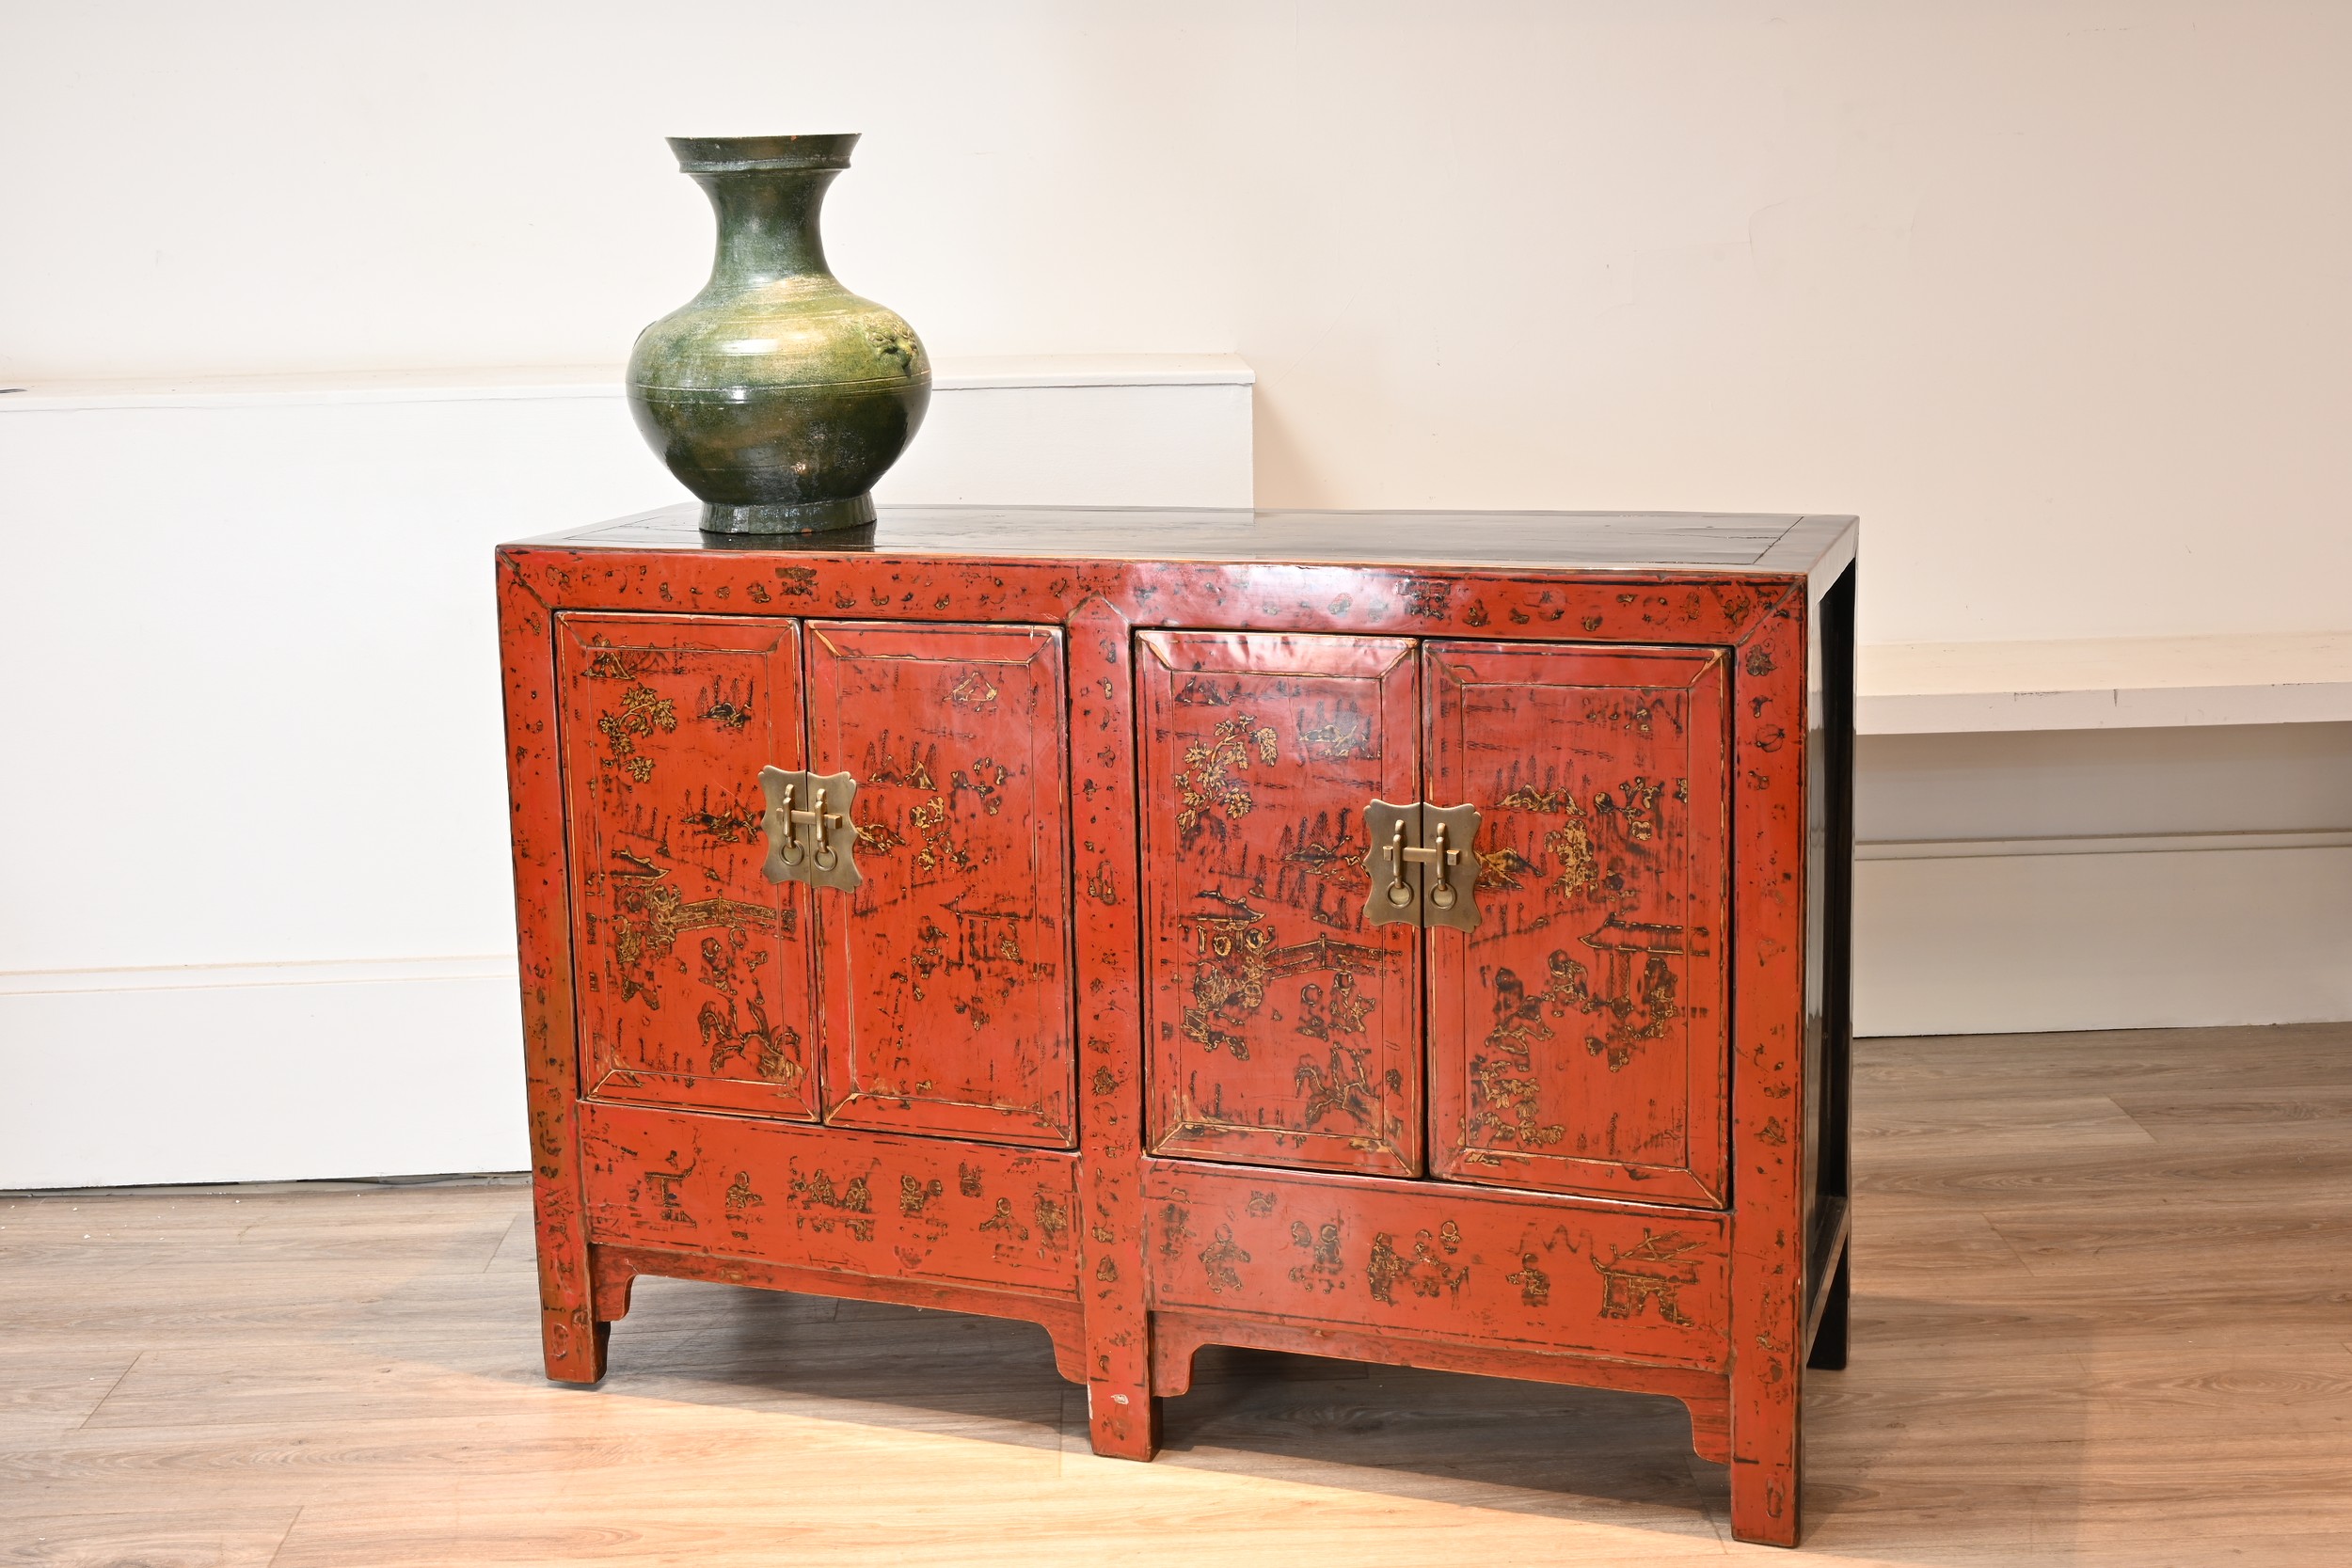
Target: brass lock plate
{"points": [[810, 836], [1422, 864]]}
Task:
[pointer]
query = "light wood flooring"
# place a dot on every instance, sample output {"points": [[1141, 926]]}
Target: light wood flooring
{"points": [[2103, 1313]]}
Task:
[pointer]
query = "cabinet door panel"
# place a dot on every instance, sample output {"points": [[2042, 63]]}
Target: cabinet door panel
{"points": [[1577, 1036], [694, 973], [947, 971], [1282, 1030]]}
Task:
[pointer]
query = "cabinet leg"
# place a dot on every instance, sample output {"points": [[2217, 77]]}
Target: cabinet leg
{"points": [[1123, 1422], [1767, 1451], [1828, 1339], [575, 1345]]}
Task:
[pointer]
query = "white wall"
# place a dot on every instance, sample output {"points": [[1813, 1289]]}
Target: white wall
{"points": [[2052, 291]]}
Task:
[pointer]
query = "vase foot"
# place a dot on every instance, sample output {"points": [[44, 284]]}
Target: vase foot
{"points": [[788, 517]]}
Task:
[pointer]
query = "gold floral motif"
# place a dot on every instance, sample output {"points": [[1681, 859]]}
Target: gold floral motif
{"points": [[642, 712], [1205, 783]]}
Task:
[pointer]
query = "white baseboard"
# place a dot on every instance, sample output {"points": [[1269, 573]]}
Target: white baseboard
{"points": [[2149, 931], [260, 1072]]}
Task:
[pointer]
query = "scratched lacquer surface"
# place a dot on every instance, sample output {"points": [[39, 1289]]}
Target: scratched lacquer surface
{"points": [[871, 1204], [946, 970], [1281, 1029], [695, 971], [1576, 1037], [1439, 1263]]}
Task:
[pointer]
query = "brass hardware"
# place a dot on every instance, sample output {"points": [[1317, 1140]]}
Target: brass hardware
{"points": [[1421, 885], [813, 844], [1453, 898], [1395, 879]]}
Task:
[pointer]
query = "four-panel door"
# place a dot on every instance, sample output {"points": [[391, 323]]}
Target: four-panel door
{"points": [[1573, 1041], [943, 973]]}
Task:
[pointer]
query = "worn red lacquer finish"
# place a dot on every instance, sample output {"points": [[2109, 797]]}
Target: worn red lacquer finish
{"points": [[1124, 1417], [694, 968], [1767, 1076], [946, 989], [1576, 1038], [874, 1203], [1284, 1029], [1101, 1039], [1440, 1263]]}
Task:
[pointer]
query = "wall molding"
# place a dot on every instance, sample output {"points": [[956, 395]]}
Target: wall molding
{"points": [[297, 971], [543, 382], [2101, 843]]}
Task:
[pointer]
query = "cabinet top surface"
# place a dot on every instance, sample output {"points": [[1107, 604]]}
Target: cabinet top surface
{"points": [[1706, 541]]}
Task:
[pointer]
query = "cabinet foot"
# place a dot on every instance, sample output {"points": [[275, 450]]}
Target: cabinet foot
{"points": [[1763, 1503], [1767, 1452], [1123, 1423], [575, 1345]]}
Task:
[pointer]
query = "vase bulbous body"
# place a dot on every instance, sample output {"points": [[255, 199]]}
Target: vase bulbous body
{"points": [[775, 395]]}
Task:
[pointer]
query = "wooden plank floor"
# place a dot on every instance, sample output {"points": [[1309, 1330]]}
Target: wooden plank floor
{"points": [[2102, 1314]]}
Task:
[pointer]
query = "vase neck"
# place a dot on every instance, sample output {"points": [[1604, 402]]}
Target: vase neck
{"points": [[768, 224]]}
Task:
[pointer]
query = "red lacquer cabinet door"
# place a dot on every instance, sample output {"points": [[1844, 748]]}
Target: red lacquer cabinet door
{"points": [[694, 973], [1577, 1036], [1281, 1029], [946, 970]]}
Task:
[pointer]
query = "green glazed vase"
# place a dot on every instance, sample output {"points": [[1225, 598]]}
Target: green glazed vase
{"points": [[776, 395]]}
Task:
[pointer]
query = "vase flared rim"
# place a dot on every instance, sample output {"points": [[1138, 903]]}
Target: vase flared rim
{"points": [[740, 155]]}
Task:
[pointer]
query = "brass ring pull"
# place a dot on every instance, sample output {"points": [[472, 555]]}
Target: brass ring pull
{"points": [[788, 850], [826, 857], [1442, 895], [1399, 895]]}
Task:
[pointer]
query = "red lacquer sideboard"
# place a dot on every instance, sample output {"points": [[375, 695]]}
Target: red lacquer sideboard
{"points": [[1413, 937]]}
